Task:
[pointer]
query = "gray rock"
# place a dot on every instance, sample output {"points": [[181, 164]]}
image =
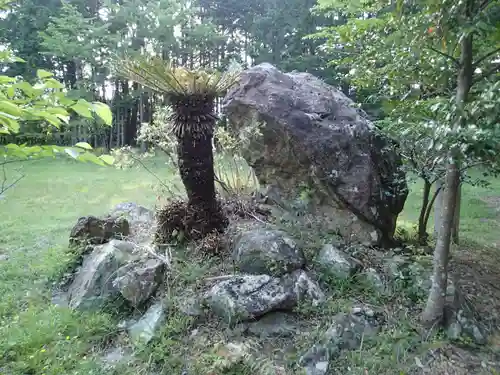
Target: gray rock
{"points": [[461, 319], [191, 306], [394, 266], [375, 280], [336, 262], [312, 131], [142, 220], [275, 324], [146, 328], [246, 297], [115, 356], [139, 280], [266, 251], [345, 333], [90, 229], [93, 283]]}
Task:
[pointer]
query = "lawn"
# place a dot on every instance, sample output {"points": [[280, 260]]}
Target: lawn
{"points": [[37, 215]]}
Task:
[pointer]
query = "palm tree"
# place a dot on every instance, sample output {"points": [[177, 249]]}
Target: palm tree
{"points": [[191, 94]]}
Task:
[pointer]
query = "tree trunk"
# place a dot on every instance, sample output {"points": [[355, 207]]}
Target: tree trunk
{"points": [[456, 220], [422, 225], [196, 167], [431, 205], [438, 208], [434, 308]]}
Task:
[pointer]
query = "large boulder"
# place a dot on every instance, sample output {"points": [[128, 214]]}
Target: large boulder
{"points": [[312, 134]]}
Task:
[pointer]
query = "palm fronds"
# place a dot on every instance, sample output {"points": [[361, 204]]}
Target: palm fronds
{"points": [[191, 92], [161, 76]]}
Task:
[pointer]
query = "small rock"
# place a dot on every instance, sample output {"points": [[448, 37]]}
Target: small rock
{"points": [[273, 324], [138, 281], [394, 264], [93, 283], [372, 276], [346, 333], [232, 353], [265, 251], [246, 297], [337, 262], [90, 229], [191, 306], [116, 356], [148, 325], [142, 220], [4, 257]]}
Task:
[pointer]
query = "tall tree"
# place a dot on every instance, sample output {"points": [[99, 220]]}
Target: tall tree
{"points": [[465, 22]]}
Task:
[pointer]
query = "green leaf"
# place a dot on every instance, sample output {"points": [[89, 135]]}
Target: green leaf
{"points": [[11, 91], [7, 79], [52, 83], [10, 108], [108, 159], [41, 74], [88, 156], [72, 152], [104, 112], [82, 107], [84, 145], [11, 125], [58, 111]]}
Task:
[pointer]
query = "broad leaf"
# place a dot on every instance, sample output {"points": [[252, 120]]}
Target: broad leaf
{"points": [[108, 159], [41, 74], [104, 112], [10, 108], [82, 107], [72, 152], [84, 145]]}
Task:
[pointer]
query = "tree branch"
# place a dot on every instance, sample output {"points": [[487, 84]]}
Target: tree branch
{"points": [[488, 55], [430, 206], [455, 61], [4, 186]]}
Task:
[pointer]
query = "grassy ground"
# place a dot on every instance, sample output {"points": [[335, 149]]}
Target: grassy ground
{"points": [[36, 338]]}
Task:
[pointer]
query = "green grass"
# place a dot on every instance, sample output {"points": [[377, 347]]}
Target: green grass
{"points": [[37, 215], [478, 220]]}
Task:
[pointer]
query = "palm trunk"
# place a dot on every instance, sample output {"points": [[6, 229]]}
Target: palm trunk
{"points": [[196, 167]]}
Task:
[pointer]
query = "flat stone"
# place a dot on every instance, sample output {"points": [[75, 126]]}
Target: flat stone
{"points": [[146, 328]]}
